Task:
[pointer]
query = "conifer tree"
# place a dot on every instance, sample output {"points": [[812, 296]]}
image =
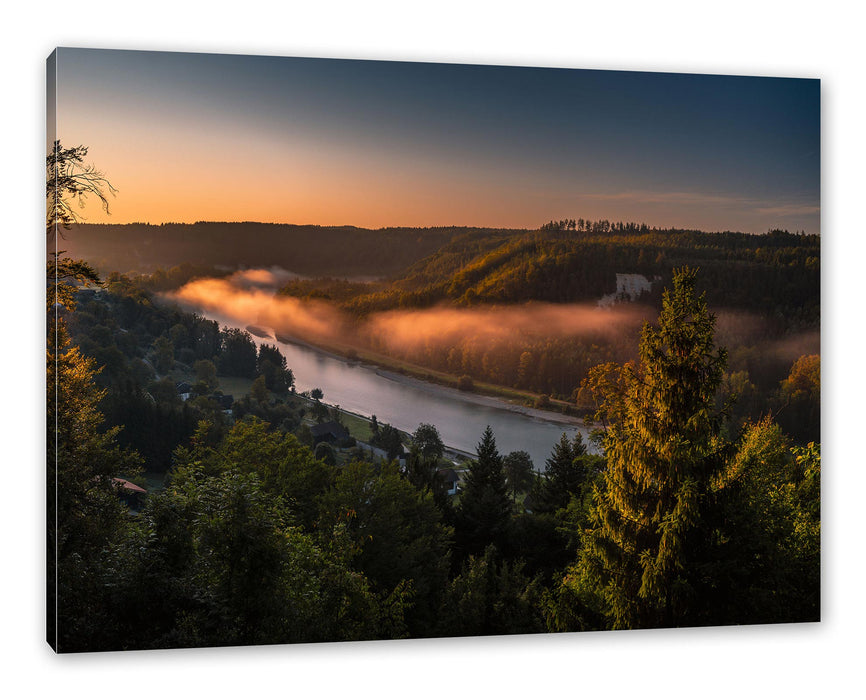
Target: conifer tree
{"points": [[485, 508], [662, 450], [564, 475]]}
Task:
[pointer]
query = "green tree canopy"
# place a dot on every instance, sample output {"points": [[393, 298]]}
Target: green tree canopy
{"points": [[662, 450], [85, 516], [485, 509], [567, 471], [259, 390], [205, 372], [490, 596], [519, 471], [285, 467], [389, 439], [427, 442], [238, 357], [398, 533], [217, 561], [766, 567], [272, 364], [799, 400]]}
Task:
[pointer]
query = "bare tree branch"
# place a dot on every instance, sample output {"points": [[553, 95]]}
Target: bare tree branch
{"points": [[69, 180]]}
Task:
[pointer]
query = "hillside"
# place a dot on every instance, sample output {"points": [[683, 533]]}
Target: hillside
{"points": [[304, 249], [775, 274]]}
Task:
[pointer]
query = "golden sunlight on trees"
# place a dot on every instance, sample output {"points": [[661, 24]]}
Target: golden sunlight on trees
{"points": [[687, 528], [85, 517], [799, 399], [662, 451], [677, 512], [84, 514]]}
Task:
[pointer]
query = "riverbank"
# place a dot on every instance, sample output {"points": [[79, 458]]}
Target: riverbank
{"points": [[479, 399], [452, 454], [439, 383], [404, 399], [528, 403]]}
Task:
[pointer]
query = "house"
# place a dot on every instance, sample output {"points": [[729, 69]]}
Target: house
{"points": [[331, 432], [184, 389], [448, 478], [129, 493]]}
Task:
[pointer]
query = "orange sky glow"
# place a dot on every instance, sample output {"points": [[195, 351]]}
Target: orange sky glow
{"points": [[192, 137]]}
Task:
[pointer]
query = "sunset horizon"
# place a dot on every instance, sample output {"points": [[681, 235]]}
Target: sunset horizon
{"points": [[379, 144], [109, 221]]}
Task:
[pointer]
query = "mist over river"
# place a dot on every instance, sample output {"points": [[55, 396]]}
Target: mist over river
{"points": [[404, 402]]}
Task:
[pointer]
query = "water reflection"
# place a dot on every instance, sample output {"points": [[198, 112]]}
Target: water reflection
{"points": [[405, 403]]}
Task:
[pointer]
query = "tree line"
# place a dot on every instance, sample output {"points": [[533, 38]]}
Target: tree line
{"points": [[304, 249], [681, 520], [144, 349], [253, 540], [774, 277]]}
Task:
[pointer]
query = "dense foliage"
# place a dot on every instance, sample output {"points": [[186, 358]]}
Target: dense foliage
{"points": [[767, 285], [146, 348], [254, 539], [772, 278], [304, 249], [697, 510], [662, 455], [776, 272]]}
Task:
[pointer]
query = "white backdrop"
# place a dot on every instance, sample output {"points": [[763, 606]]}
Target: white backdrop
{"points": [[772, 38]]}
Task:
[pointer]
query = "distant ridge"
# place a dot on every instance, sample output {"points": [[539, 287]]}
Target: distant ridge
{"points": [[303, 248]]}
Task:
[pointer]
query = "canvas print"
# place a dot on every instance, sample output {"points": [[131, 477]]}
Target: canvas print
{"points": [[353, 350]]}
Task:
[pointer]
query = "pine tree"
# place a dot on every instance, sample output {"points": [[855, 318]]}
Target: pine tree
{"points": [[662, 450], [566, 472], [562, 476], [485, 508]]}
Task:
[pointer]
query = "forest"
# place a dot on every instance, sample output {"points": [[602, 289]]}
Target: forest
{"points": [[701, 505], [304, 249], [764, 289], [442, 316]]}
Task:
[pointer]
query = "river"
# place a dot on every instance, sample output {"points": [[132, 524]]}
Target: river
{"points": [[404, 403]]}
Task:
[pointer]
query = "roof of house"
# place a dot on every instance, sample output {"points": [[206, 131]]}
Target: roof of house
{"points": [[332, 427], [128, 486]]}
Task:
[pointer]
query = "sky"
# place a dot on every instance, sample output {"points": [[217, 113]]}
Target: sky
{"points": [[207, 137]]}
